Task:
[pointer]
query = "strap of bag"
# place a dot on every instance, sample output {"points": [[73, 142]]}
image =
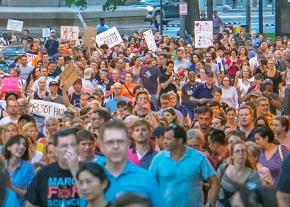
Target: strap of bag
{"points": [[128, 90], [280, 153]]}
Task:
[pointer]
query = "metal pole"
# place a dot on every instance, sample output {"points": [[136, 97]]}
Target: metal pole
{"points": [[161, 17], [182, 22], [248, 15], [209, 10], [278, 18], [261, 16]]}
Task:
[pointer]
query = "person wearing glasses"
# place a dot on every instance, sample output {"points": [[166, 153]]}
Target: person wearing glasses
{"points": [[238, 170], [122, 174], [184, 167]]}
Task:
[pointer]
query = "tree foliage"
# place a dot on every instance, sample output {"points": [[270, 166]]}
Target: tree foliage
{"points": [[109, 5]]}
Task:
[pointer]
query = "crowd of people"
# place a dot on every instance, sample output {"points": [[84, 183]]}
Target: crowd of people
{"points": [[176, 127]]}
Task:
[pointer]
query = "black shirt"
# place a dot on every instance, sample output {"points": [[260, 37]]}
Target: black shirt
{"points": [[171, 87], [53, 186]]}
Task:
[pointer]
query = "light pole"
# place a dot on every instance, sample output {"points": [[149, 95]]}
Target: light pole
{"points": [[261, 16], [161, 17]]}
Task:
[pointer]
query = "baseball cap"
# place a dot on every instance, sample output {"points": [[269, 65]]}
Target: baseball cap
{"points": [[53, 83], [51, 31], [256, 93], [158, 131]]}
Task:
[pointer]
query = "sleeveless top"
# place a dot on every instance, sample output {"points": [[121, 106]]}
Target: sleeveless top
{"points": [[243, 87]]}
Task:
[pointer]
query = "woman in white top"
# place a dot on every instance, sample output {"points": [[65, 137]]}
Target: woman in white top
{"points": [[229, 93], [243, 84]]}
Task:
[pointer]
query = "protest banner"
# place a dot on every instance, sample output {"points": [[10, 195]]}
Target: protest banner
{"points": [[203, 34], [45, 32], [46, 108], [14, 25], [68, 76], [89, 36], [69, 32], [32, 59], [10, 85], [111, 37], [150, 41]]}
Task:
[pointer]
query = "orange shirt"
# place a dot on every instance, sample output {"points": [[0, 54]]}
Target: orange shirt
{"points": [[126, 89]]}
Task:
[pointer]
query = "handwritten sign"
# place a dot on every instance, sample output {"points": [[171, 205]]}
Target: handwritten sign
{"points": [[183, 8], [150, 41], [69, 32], [10, 84], [203, 34], [111, 37], [45, 32], [14, 25], [46, 108], [89, 36], [68, 76], [32, 59]]}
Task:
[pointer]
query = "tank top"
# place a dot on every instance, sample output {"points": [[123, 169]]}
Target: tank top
{"points": [[243, 87]]}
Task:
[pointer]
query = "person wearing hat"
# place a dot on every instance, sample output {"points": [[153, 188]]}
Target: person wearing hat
{"points": [[256, 83], [75, 96], [254, 61], [204, 91], [52, 44], [273, 98], [187, 90], [53, 95], [105, 83]]}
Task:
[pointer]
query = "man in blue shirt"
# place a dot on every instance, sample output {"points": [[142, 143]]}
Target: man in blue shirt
{"points": [[111, 103], [180, 170], [124, 176], [203, 93], [102, 27]]}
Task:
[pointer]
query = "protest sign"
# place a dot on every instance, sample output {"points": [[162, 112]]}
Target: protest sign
{"points": [[69, 32], [150, 41], [45, 32], [14, 25], [111, 37], [89, 36], [68, 76], [46, 108], [203, 34], [9, 84], [31, 58]]}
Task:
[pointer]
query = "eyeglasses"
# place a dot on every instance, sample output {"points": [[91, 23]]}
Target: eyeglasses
{"points": [[119, 142], [243, 151]]}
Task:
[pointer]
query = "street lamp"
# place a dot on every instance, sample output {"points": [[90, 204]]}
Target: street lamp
{"points": [[161, 17], [261, 16]]}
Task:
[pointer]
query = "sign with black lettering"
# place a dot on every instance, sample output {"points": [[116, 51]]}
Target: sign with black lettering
{"points": [[46, 108], [111, 37]]}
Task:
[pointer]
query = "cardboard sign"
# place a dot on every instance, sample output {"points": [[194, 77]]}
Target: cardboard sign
{"points": [[203, 34], [69, 32], [150, 41], [89, 36], [14, 25], [46, 109], [68, 76], [111, 37], [45, 32], [9, 84]]}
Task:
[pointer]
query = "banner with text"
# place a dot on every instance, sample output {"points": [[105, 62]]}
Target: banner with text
{"points": [[69, 32], [203, 31], [150, 41], [111, 37], [14, 25], [9, 84], [46, 108]]}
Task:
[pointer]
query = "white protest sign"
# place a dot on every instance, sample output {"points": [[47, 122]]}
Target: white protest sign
{"points": [[203, 26], [203, 31], [30, 57], [45, 32], [111, 37], [183, 11], [150, 41], [46, 108], [68, 32], [14, 25]]}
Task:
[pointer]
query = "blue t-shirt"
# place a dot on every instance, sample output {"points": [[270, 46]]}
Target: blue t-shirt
{"points": [[111, 104], [136, 180], [21, 178], [202, 91], [180, 182], [149, 78]]}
